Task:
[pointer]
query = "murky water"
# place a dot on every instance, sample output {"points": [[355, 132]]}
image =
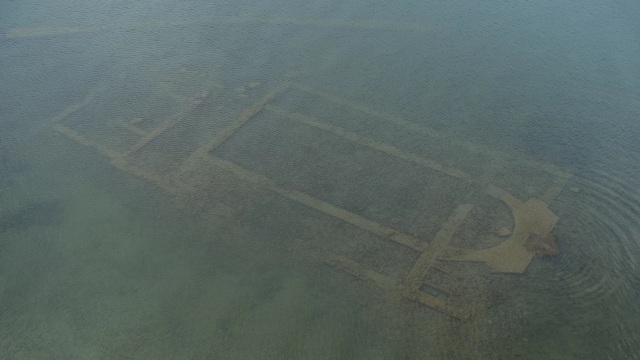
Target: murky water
{"points": [[308, 181]]}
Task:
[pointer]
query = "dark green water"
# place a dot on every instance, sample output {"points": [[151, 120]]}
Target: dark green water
{"points": [[97, 262]]}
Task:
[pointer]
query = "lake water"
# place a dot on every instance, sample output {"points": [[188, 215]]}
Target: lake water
{"points": [[287, 180]]}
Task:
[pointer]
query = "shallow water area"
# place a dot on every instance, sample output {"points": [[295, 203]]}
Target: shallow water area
{"points": [[338, 180]]}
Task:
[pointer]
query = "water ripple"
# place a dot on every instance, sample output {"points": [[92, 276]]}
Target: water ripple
{"points": [[601, 223]]}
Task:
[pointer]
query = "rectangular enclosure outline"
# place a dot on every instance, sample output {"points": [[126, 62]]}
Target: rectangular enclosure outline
{"points": [[411, 283]]}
